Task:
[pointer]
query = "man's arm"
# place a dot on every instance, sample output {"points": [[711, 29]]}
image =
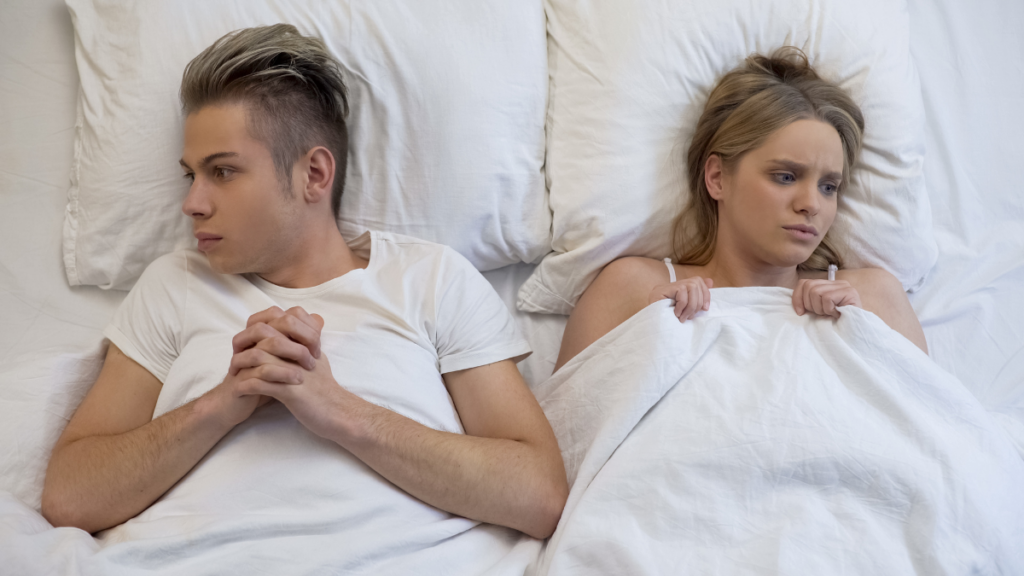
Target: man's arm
{"points": [[507, 468], [113, 460]]}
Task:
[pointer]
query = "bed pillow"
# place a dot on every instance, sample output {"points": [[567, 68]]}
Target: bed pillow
{"points": [[446, 128], [629, 79]]}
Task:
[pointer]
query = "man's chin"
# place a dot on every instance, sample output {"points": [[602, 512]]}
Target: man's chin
{"points": [[222, 265]]}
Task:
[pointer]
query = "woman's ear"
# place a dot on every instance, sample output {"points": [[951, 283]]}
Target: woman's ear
{"points": [[713, 176], [319, 166]]}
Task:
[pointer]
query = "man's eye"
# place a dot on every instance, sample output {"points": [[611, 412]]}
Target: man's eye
{"points": [[190, 177], [222, 172]]}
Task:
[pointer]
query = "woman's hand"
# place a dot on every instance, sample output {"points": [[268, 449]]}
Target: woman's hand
{"points": [[823, 297], [690, 295]]}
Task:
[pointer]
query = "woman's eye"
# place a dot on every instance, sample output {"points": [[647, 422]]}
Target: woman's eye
{"points": [[829, 189], [784, 178]]}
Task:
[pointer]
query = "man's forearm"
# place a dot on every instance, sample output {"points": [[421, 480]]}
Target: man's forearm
{"points": [[495, 480], [97, 482]]}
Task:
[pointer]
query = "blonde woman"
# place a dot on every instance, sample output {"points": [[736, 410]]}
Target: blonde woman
{"points": [[771, 154]]}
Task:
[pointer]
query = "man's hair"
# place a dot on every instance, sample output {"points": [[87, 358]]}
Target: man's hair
{"points": [[292, 89]]}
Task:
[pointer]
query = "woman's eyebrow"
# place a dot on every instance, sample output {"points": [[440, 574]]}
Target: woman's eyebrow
{"points": [[800, 168]]}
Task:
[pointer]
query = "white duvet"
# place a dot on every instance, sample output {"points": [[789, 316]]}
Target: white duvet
{"points": [[270, 498], [753, 441]]}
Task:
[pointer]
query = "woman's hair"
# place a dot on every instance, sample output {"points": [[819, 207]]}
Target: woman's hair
{"points": [[292, 89], [748, 105]]}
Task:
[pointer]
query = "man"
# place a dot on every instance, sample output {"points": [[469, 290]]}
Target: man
{"points": [[389, 348]]}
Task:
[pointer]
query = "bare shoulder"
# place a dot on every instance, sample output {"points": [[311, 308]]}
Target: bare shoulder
{"points": [[619, 291], [636, 268], [874, 283], [882, 293]]}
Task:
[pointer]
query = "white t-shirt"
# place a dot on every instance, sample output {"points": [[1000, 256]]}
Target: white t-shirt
{"points": [[271, 491], [418, 310]]}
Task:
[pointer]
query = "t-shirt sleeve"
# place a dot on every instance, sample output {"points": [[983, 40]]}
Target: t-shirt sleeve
{"points": [[148, 325], [473, 325]]}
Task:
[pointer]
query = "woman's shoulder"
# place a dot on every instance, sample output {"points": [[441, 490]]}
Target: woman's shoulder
{"points": [[633, 268], [876, 281]]}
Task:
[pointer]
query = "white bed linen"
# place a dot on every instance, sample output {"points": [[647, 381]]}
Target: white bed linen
{"points": [[968, 56], [751, 440]]}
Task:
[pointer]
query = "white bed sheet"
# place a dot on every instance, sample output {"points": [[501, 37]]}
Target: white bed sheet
{"points": [[970, 59]]}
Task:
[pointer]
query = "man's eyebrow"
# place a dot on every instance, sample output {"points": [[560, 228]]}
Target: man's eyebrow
{"points": [[798, 167], [208, 159]]}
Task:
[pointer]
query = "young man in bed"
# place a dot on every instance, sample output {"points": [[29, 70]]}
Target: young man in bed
{"points": [[276, 307]]}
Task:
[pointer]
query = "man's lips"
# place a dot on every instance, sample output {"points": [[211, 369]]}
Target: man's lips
{"points": [[802, 231], [206, 240]]}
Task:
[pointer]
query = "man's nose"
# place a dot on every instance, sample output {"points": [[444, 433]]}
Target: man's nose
{"points": [[197, 201]]}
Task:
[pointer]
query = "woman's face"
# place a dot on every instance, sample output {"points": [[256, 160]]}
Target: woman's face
{"points": [[777, 202]]}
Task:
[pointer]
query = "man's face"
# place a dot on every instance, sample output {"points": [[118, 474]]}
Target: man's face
{"points": [[240, 214]]}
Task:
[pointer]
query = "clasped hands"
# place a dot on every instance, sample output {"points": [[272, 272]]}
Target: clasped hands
{"points": [[278, 356], [820, 297]]}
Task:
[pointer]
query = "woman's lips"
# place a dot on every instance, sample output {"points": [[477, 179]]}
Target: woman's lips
{"points": [[802, 232]]}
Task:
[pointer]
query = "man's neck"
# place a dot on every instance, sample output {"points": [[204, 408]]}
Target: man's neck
{"points": [[320, 255]]}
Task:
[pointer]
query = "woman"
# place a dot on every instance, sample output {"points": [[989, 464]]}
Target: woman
{"points": [[771, 154]]}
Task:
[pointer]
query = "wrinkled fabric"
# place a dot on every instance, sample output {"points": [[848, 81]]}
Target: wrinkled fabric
{"points": [[750, 440]]}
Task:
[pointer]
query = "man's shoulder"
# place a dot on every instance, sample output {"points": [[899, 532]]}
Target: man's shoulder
{"points": [[178, 270], [168, 267], [418, 254]]}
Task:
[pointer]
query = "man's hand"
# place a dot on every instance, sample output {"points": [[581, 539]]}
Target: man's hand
{"points": [[276, 347], [823, 297]]}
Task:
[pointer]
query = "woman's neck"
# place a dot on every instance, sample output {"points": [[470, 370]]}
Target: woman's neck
{"points": [[729, 269]]}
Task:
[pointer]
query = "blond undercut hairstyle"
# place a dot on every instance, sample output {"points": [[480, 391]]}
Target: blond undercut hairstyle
{"points": [[292, 90], [748, 105]]}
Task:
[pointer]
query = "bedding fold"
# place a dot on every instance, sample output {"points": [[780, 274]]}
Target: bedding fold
{"points": [[750, 440]]}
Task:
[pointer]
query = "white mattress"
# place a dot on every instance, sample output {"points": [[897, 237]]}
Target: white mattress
{"points": [[969, 59]]}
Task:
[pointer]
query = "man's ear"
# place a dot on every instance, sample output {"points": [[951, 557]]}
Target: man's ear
{"points": [[319, 165], [713, 176]]}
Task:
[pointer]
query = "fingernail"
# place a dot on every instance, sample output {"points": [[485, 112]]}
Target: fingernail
{"points": [[312, 364]]}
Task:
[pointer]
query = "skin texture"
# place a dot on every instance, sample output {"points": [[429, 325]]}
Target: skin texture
{"points": [[789, 180], [113, 460]]}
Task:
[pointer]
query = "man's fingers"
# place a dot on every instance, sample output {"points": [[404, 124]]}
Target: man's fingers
{"points": [[300, 313], [299, 331], [319, 320], [251, 336], [286, 349], [265, 316], [273, 373]]}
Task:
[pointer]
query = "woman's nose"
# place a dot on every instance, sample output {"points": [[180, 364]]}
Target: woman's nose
{"points": [[808, 199]]}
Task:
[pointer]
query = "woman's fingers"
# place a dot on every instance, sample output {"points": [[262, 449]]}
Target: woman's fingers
{"points": [[681, 299], [695, 301], [798, 298]]}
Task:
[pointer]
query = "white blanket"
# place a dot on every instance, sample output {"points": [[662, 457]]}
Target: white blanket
{"points": [[270, 498], [753, 441]]}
